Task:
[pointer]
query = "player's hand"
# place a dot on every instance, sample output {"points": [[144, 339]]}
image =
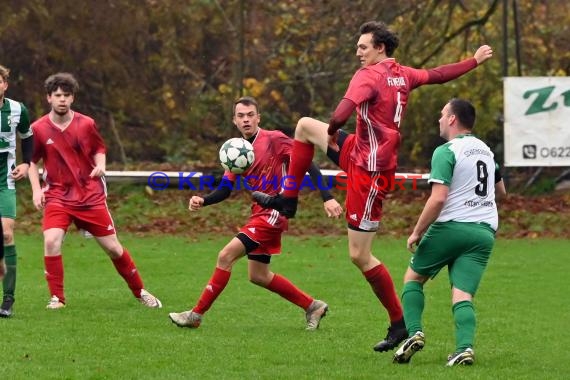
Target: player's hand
{"points": [[332, 141], [39, 199], [195, 203], [332, 208], [20, 171], [413, 241], [483, 53], [97, 172]]}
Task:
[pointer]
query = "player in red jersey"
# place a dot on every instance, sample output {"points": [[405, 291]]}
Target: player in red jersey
{"points": [[260, 237], [379, 93], [74, 161]]}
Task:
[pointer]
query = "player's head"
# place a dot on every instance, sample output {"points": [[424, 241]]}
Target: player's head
{"points": [[380, 35], [4, 75], [458, 116], [246, 116], [464, 111], [64, 81], [60, 89], [247, 101]]}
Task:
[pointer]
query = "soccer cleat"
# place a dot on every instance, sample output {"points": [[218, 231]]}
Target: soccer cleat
{"points": [[316, 311], [394, 337], [186, 319], [149, 300], [286, 206], [6, 308], [55, 303], [465, 357], [412, 345]]}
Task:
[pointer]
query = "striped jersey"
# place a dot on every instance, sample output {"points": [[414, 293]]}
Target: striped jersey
{"points": [[467, 166], [381, 92], [14, 121]]}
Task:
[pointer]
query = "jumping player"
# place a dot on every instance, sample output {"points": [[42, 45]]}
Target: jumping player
{"points": [[379, 93]]}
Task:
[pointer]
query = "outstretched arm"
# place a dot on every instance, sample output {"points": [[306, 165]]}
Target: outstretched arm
{"points": [[445, 73], [222, 192]]}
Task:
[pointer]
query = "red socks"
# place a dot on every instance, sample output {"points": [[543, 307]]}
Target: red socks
{"points": [[127, 269], [54, 276], [383, 286], [301, 158], [124, 265], [290, 292], [215, 287]]}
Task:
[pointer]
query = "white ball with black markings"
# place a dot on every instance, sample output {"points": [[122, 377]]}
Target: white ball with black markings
{"points": [[236, 155]]}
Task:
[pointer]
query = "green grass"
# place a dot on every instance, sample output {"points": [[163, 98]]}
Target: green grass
{"points": [[251, 333]]}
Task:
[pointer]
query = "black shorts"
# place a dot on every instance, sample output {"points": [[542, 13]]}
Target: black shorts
{"points": [[250, 245]]}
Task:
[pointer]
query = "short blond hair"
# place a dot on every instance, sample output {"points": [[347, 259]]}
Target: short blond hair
{"points": [[4, 73]]}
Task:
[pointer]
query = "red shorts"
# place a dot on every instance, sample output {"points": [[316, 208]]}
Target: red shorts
{"points": [[267, 235], [96, 221], [365, 190]]}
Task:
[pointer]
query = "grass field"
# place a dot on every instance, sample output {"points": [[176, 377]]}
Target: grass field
{"points": [[249, 333]]}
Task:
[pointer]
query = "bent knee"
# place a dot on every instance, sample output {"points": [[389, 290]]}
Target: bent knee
{"points": [[226, 259], [359, 259], [259, 280], [8, 238]]}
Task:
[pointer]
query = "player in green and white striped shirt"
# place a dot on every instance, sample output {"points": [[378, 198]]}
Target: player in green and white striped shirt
{"points": [[14, 120], [456, 230]]}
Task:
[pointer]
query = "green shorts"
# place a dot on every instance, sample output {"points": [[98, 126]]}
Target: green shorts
{"points": [[464, 248], [8, 203]]}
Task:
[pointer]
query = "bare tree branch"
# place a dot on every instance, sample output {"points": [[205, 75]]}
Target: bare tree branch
{"points": [[468, 25]]}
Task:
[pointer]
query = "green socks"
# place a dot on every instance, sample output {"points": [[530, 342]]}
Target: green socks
{"points": [[9, 282], [464, 316], [413, 301]]}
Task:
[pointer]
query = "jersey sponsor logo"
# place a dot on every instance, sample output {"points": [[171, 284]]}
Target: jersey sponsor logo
{"points": [[472, 152], [13, 121], [49, 141]]}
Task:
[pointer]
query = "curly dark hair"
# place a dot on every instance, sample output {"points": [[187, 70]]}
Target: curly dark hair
{"points": [[381, 34], [65, 81]]}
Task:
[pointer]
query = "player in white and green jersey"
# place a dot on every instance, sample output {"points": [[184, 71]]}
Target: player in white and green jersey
{"points": [[14, 121], [456, 230]]}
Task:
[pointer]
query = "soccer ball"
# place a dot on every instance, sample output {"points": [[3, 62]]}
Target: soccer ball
{"points": [[236, 155]]}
